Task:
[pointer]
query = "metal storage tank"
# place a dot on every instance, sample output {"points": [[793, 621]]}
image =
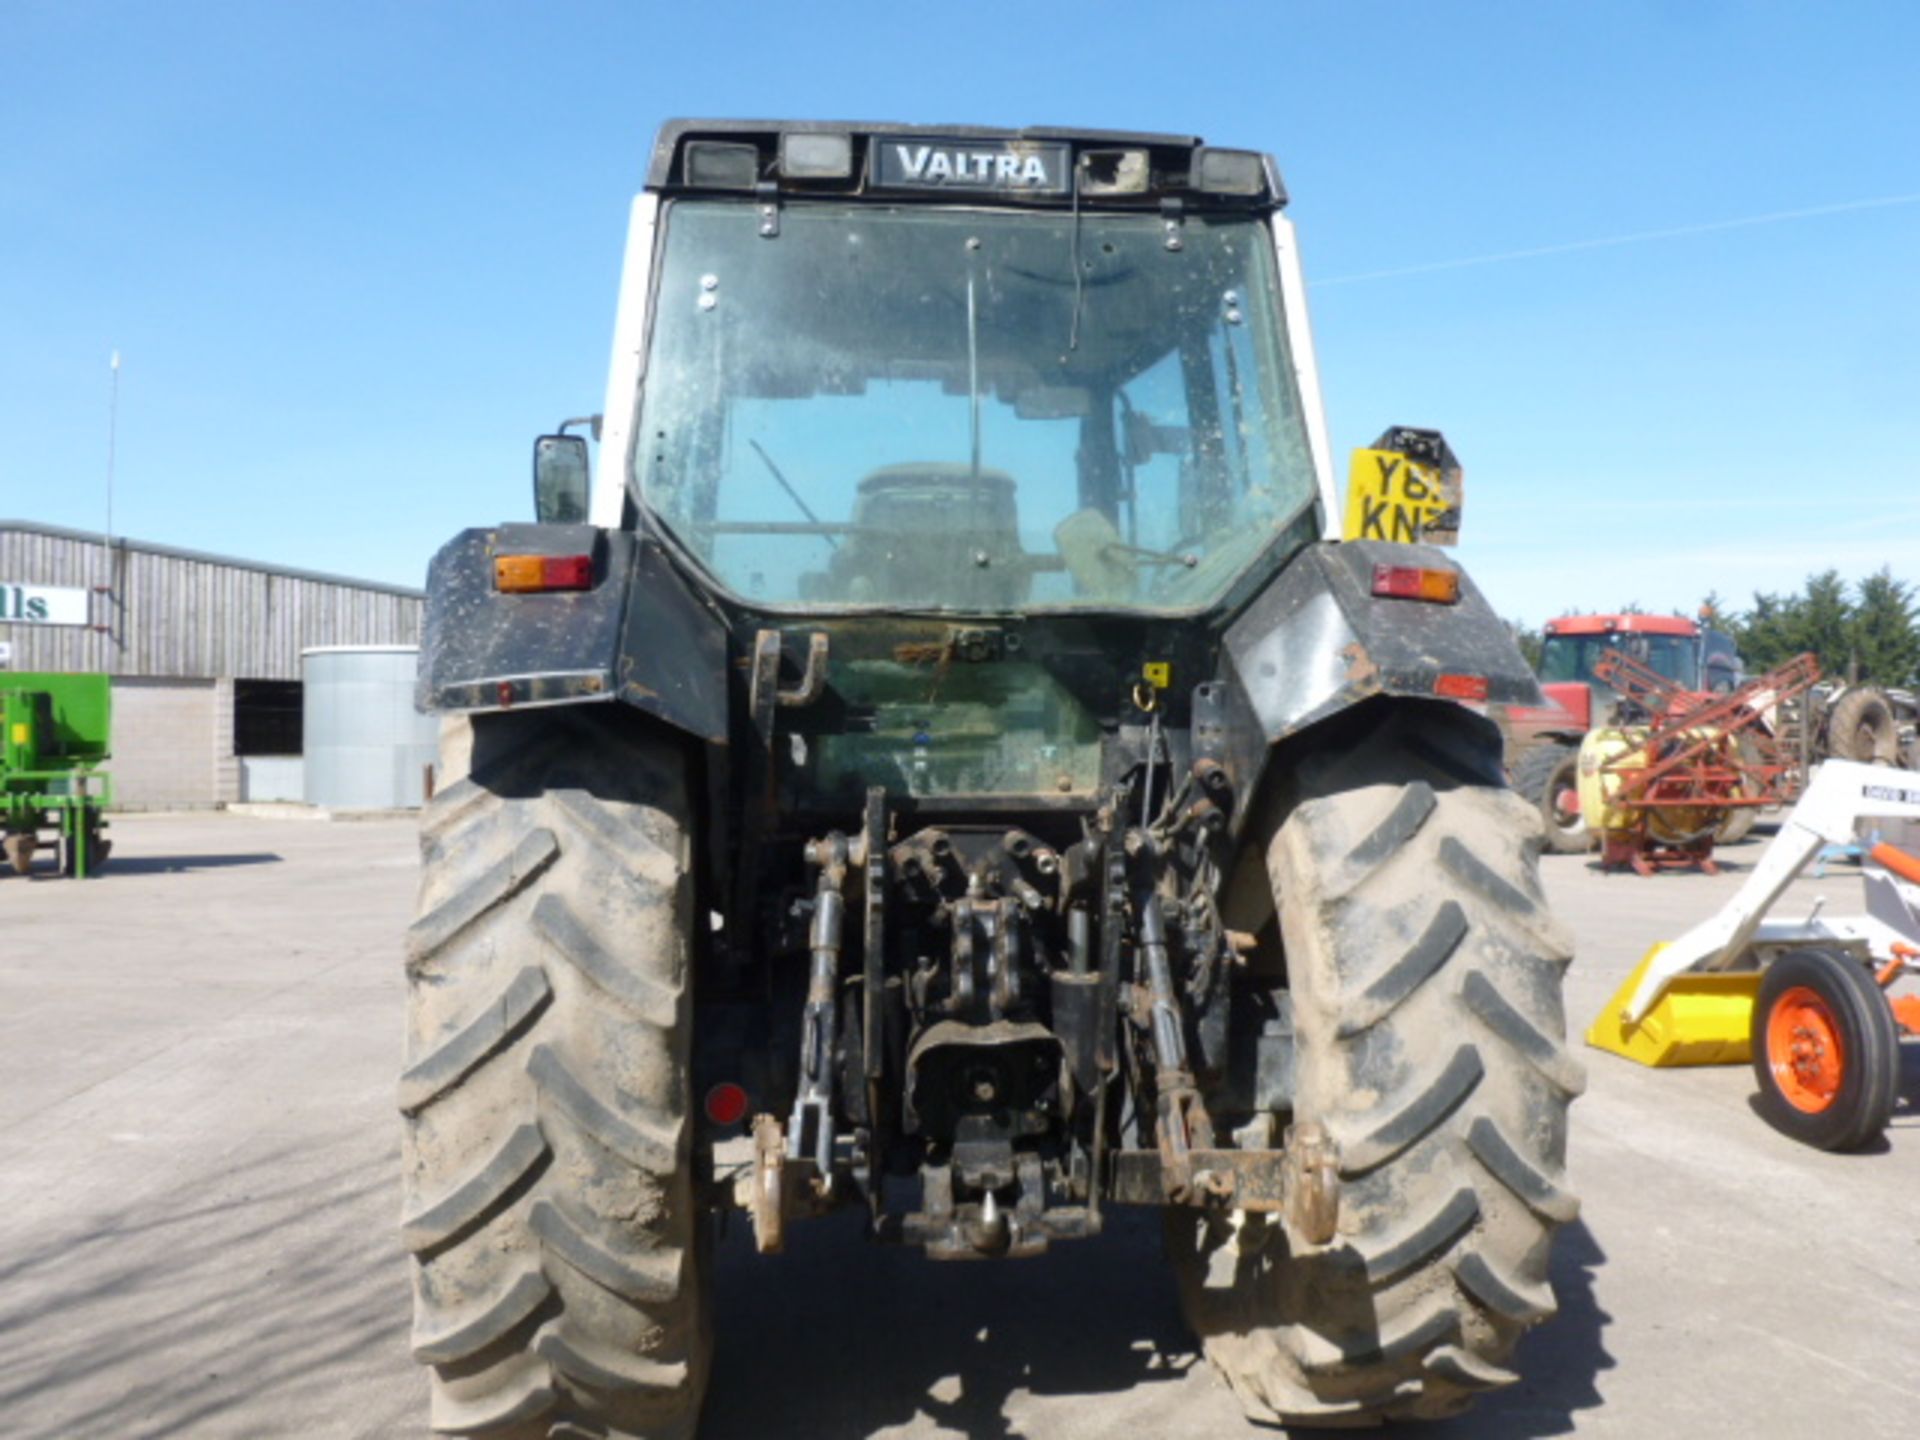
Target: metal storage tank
{"points": [[366, 747]]}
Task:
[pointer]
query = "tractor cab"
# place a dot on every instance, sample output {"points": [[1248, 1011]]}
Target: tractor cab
{"points": [[1666, 644], [899, 392]]}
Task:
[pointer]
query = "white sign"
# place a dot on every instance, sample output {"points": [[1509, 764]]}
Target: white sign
{"points": [[43, 605]]}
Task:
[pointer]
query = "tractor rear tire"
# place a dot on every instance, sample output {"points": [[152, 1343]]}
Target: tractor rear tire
{"points": [[1862, 726], [1426, 980], [559, 1254], [1546, 772], [1825, 1050]]}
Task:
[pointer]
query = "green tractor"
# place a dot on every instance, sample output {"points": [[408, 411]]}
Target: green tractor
{"points": [[944, 766], [54, 731]]}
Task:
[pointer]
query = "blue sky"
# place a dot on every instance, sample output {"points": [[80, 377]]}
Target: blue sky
{"points": [[356, 255]]}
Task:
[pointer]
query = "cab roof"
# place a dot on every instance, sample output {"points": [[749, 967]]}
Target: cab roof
{"points": [[1172, 159], [1630, 624]]}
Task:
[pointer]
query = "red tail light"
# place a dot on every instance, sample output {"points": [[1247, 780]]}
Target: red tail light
{"points": [[521, 574], [1415, 582], [1461, 687]]}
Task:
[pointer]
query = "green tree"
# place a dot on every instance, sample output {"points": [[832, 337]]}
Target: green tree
{"points": [[1824, 623], [1880, 630], [1768, 633], [1779, 627], [1872, 633]]}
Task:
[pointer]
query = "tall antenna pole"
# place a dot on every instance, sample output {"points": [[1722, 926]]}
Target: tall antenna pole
{"points": [[104, 592], [113, 425]]}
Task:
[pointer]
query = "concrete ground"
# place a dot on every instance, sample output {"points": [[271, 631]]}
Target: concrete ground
{"points": [[198, 1204]]}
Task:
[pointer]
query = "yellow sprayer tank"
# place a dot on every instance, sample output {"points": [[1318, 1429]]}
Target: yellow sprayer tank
{"points": [[1600, 788]]}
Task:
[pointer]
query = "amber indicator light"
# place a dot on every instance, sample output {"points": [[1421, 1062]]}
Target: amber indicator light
{"points": [[522, 574], [1416, 582]]}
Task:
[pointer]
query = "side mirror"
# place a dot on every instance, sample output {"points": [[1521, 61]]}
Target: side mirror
{"points": [[560, 479]]}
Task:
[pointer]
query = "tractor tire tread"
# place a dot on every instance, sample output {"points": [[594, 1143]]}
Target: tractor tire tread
{"points": [[1546, 1054], [1532, 775], [1367, 1144], [1541, 1193], [506, 1398], [606, 1369], [650, 1278], [1379, 845], [559, 1250], [1466, 1370], [645, 998], [1864, 708], [471, 1200], [467, 1048], [632, 1141], [1519, 1301], [1406, 974], [468, 1334], [1394, 1255], [1411, 1335], [1440, 1073], [487, 891]]}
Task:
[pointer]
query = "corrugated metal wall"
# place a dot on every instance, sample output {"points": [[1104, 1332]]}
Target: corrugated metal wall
{"points": [[174, 613]]}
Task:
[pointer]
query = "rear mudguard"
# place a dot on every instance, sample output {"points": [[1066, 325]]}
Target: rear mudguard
{"points": [[1318, 641], [639, 635]]}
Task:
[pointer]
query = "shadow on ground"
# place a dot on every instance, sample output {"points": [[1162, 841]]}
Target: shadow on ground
{"points": [[272, 1301], [1721, 864], [136, 864], [838, 1339], [269, 1300]]}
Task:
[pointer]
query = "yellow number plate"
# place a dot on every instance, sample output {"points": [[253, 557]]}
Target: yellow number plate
{"points": [[1389, 497]]}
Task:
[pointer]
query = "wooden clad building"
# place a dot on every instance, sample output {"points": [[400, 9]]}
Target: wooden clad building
{"points": [[204, 651]]}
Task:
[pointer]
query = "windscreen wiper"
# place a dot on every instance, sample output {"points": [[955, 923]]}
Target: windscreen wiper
{"points": [[787, 485]]}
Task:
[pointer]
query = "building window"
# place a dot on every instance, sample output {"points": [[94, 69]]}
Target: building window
{"points": [[266, 717]]}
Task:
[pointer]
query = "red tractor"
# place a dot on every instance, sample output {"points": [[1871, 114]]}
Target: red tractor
{"points": [[1543, 743]]}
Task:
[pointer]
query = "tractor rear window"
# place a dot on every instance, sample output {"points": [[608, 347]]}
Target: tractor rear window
{"points": [[1572, 657], [970, 410]]}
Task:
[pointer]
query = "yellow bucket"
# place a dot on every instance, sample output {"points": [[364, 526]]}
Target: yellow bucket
{"points": [[1699, 1019]]}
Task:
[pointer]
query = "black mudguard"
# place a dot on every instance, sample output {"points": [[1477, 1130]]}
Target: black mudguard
{"points": [[1318, 642], [638, 636]]}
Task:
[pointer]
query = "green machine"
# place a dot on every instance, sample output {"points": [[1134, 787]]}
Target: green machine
{"points": [[53, 737]]}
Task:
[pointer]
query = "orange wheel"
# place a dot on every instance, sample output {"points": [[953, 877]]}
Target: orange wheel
{"points": [[1825, 1051], [1804, 1050]]}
